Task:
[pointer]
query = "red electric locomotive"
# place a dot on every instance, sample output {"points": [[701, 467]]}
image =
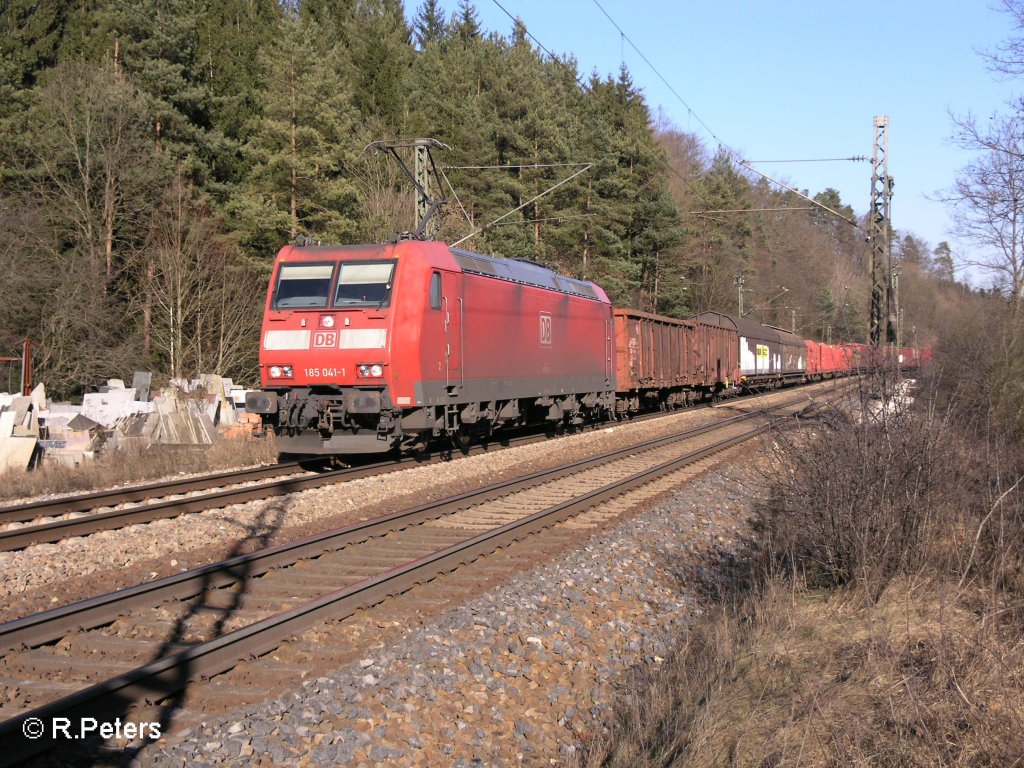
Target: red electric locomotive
{"points": [[370, 348], [373, 347]]}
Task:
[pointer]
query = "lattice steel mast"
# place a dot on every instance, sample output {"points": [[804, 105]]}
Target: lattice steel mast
{"points": [[882, 324]]}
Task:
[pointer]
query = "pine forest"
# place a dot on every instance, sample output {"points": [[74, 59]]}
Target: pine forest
{"points": [[156, 155]]}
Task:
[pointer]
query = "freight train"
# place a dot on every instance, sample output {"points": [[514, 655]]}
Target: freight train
{"points": [[373, 348]]}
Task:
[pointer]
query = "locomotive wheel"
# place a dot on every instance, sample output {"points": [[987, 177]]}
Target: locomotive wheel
{"points": [[462, 440]]}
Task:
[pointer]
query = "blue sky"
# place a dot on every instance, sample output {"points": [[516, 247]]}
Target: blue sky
{"points": [[796, 79]]}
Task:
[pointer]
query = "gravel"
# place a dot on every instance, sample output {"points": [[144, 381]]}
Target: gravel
{"points": [[518, 676], [46, 575]]}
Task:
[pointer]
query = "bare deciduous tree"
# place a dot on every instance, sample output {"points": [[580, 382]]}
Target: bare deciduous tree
{"points": [[988, 198], [206, 301], [1008, 57]]}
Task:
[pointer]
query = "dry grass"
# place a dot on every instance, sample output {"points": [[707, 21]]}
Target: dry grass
{"points": [[128, 467], [877, 622], [803, 678]]}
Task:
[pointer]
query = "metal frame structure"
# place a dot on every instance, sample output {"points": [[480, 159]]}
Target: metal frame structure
{"points": [[425, 168], [880, 266]]}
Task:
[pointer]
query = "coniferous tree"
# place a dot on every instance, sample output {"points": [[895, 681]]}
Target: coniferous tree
{"points": [[465, 24], [377, 42], [428, 24], [299, 148], [30, 35]]}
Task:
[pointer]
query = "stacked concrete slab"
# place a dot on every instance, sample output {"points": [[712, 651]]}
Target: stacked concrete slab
{"points": [[19, 428], [186, 413]]}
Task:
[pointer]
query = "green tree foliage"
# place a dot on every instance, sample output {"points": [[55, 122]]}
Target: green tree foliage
{"points": [[429, 24], [143, 142], [465, 24], [377, 41], [298, 148], [230, 37], [30, 34], [943, 265]]}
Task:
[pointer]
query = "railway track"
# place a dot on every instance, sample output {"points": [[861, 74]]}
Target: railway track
{"points": [[86, 514], [157, 504], [161, 635]]}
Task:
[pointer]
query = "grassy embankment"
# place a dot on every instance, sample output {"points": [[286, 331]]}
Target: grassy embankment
{"points": [[875, 619], [128, 467]]}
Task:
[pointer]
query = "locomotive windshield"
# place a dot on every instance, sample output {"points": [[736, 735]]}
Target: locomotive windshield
{"points": [[303, 286], [364, 284]]}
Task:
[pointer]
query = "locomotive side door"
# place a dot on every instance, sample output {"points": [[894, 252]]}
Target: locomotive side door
{"points": [[454, 336]]}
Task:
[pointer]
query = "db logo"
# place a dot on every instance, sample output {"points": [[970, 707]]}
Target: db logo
{"points": [[325, 339], [545, 330]]}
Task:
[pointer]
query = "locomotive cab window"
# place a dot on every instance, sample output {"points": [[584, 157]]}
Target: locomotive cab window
{"points": [[435, 290], [364, 284], [303, 286]]}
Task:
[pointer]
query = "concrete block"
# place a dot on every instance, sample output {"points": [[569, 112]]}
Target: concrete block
{"points": [[38, 398], [16, 452], [141, 382], [29, 429], [218, 388], [166, 402], [107, 407], [63, 408], [20, 405], [138, 430], [64, 458], [82, 423], [113, 384], [6, 424], [237, 397], [186, 429]]}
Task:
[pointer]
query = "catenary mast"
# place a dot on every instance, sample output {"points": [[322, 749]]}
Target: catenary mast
{"points": [[882, 324]]}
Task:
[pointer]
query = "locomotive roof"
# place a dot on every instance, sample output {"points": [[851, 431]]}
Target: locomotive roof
{"points": [[513, 270], [524, 272]]}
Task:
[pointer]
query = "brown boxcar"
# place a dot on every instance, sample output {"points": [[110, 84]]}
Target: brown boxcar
{"points": [[717, 352]]}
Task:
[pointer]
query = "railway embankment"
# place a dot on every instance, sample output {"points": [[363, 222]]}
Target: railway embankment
{"points": [[522, 672], [876, 622]]}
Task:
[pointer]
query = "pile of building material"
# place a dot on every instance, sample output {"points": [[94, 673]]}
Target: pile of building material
{"points": [[185, 413], [19, 427]]}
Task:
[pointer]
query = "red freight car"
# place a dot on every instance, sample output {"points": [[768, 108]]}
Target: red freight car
{"points": [[368, 348], [826, 360], [665, 362]]}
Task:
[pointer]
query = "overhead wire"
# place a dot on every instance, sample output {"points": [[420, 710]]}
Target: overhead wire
{"points": [[654, 69], [721, 144], [521, 24]]}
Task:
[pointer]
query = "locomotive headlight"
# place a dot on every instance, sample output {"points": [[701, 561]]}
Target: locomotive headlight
{"points": [[281, 371], [327, 321], [370, 370]]}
